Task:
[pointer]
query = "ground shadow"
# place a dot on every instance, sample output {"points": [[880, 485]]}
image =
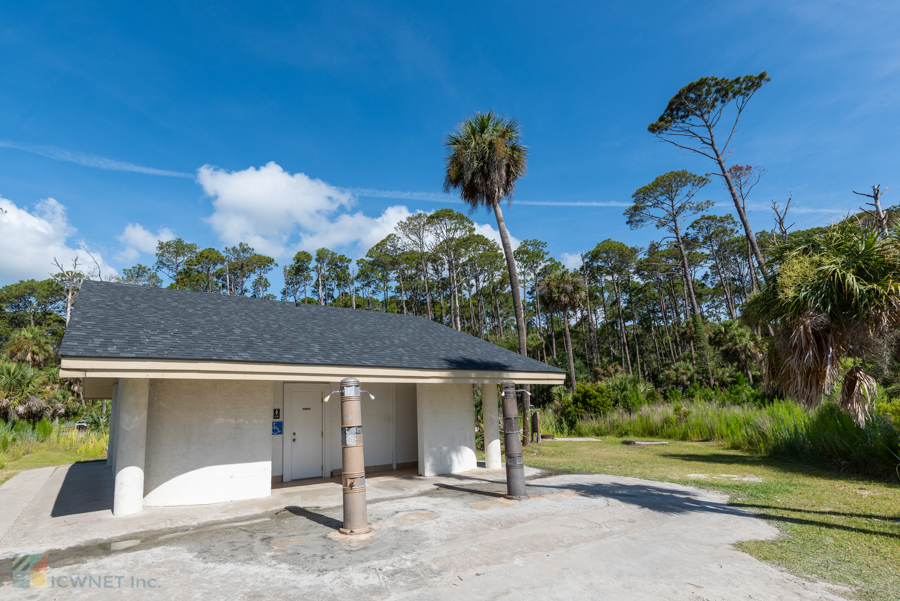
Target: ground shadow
{"points": [[87, 487], [318, 518], [664, 499], [820, 470], [841, 514], [475, 491]]}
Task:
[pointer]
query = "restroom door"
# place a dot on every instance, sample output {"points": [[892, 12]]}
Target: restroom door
{"points": [[305, 431]]}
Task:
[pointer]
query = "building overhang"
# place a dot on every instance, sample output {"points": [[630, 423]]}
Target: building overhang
{"points": [[101, 373]]}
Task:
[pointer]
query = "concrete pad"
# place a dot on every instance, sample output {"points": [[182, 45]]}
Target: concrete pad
{"points": [[74, 505], [578, 536], [17, 493]]}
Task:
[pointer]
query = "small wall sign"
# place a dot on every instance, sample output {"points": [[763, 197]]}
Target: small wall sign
{"points": [[276, 413], [277, 428]]}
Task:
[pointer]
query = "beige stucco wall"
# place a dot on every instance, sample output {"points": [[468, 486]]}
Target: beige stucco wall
{"points": [[446, 428], [208, 441]]}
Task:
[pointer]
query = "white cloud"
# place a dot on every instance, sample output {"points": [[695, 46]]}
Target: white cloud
{"points": [[490, 232], [278, 213], [30, 241], [138, 240], [355, 229], [264, 207], [571, 260]]}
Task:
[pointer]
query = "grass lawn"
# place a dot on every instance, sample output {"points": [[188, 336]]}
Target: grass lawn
{"points": [[841, 528], [41, 458]]}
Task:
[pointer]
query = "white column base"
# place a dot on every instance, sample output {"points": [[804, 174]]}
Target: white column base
{"points": [[129, 495]]}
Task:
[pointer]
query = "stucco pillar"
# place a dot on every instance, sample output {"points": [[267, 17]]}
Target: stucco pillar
{"points": [[114, 425], [113, 420], [491, 417], [134, 395]]}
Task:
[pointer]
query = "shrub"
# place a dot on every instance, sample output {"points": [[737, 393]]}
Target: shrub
{"points": [[630, 393], [43, 429], [588, 399], [889, 408]]}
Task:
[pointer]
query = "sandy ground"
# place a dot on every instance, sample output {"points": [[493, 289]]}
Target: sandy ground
{"points": [[577, 537]]}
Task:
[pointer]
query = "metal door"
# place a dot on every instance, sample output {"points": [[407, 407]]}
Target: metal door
{"points": [[306, 434]]}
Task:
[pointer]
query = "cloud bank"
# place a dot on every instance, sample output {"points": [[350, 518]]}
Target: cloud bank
{"points": [[30, 241]]}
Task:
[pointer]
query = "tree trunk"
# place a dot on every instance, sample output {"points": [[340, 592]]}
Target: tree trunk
{"points": [[427, 290], [569, 349], [553, 334], [513, 280], [634, 331], [402, 290], [729, 301], [612, 355], [738, 204], [687, 270], [622, 335], [537, 316], [595, 348]]}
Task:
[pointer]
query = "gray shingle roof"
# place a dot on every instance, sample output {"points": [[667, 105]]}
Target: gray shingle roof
{"points": [[122, 321]]}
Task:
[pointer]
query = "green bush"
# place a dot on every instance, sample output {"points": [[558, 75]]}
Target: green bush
{"points": [[588, 399], [630, 393], [889, 408]]}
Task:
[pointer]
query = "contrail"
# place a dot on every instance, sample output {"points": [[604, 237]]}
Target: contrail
{"points": [[802, 209], [432, 197], [90, 160]]}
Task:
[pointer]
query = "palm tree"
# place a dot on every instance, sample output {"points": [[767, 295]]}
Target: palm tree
{"points": [[484, 160], [30, 344], [835, 294], [564, 291]]}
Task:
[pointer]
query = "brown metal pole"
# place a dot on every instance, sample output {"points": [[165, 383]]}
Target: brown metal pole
{"points": [[353, 464], [515, 470]]}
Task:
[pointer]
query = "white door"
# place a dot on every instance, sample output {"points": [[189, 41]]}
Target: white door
{"points": [[305, 431]]}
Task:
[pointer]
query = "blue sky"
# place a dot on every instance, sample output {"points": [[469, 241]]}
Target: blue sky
{"points": [[302, 125]]}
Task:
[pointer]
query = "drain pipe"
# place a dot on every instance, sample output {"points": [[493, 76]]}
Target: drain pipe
{"points": [[353, 465], [515, 470]]}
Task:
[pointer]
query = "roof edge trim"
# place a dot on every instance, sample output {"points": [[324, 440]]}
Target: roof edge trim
{"points": [[76, 367]]}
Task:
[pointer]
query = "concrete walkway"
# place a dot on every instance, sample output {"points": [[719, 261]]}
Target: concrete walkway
{"points": [[17, 494], [578, 537]]}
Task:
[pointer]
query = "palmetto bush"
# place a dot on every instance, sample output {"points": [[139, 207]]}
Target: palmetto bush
{"points": [[835, 295]]}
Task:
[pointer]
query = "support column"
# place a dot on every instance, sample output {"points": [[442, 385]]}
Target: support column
{"points": [[491, 417], [131, 439], [113, 417], [353, 470], [515, 469]]}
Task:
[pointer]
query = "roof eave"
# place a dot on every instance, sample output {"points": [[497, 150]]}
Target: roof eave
{"points": [[78, 367]]}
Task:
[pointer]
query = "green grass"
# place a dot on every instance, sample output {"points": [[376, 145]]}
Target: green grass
{"points": [[823, 436], [841, 528], [34, 447]]}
